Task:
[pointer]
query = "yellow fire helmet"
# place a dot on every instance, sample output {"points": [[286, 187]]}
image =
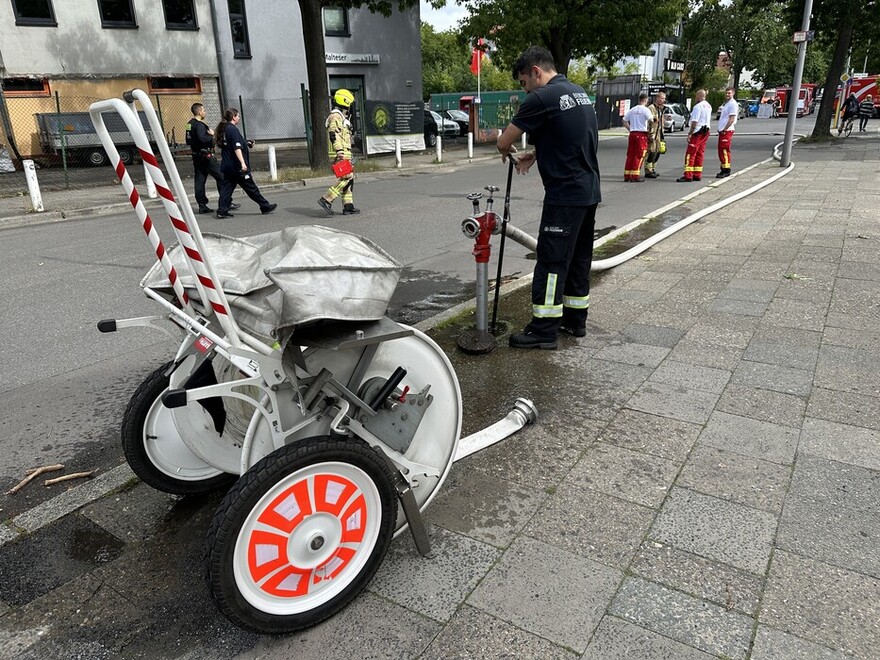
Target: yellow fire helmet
{"points": [[343, 98]]}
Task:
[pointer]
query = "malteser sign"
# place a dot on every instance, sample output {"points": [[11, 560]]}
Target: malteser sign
{"points": [[672, 65], [351, 58]]}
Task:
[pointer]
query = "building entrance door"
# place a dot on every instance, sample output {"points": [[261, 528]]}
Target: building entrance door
{"points": [[355, 85]]}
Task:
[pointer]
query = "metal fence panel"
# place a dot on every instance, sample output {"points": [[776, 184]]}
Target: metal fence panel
{"points": [[56, 133]]}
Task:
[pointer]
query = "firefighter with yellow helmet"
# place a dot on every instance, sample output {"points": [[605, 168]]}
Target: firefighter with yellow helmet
{"points": [[338, 126]]}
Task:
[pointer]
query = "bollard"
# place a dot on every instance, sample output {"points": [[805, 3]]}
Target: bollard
{"points": [[397, 158], [273, 165], [524, 140], [30, 173], [439, 149], [470, 146]]}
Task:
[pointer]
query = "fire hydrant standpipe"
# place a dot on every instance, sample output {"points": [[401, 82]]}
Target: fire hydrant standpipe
{"points": [[480, 227]]}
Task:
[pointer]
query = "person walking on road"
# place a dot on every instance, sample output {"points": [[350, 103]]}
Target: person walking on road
{"points": [[236, 165], [866, 111], [338, 126], [637, 121], [726, 123], [657, 137], [200, 139], [561, 124], [697, 138]]}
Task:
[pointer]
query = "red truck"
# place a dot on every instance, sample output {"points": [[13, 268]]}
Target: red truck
{"points": [[805, 100], [861, 86]]}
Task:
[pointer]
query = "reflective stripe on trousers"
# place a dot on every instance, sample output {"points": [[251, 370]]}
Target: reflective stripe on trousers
{"points": [[561, 284]]}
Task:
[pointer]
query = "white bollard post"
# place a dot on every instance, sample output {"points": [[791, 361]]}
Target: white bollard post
{"points": [[524, 141], [30, 173], [439, 149], [470, 146], [397, 158], [273, 165]]}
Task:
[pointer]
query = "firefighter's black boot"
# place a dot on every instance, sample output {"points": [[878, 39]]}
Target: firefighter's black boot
{"points": [[349, 209]]}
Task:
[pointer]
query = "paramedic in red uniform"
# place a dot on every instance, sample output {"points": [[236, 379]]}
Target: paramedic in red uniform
{"points": [[726, 123], [701, 115], [637, 121]]}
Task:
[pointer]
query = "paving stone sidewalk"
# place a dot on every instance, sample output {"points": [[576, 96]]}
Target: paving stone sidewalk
{"points": [[704, 480]]}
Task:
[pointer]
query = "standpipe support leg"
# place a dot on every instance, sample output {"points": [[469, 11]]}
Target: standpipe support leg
{"points": [[414, 519]]}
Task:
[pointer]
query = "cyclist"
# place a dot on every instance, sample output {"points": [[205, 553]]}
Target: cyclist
{"points": [[850, 110]]}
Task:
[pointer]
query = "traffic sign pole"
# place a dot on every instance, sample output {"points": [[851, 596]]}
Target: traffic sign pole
{"points": [[796, 89]]}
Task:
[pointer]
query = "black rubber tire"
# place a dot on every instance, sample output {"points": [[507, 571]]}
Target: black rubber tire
{"points": [[133, 442], [96, 157], [432, 139], [126, 155], [244, 496]]}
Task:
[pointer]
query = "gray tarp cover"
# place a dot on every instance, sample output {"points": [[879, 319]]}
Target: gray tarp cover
{"points": [[282, 279]]}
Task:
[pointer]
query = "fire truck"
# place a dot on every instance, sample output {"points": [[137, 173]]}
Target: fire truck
{"points": [[805, 99], [861, 85]]}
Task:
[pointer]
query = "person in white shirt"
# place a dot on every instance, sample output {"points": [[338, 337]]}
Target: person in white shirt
{"points": [[637, 121], [726, 123], [701, 116]]}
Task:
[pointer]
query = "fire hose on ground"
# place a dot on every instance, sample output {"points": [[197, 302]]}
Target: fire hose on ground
{"points": [[481, 225]]}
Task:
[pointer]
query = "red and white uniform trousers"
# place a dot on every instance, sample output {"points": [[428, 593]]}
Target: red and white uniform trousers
{"points": [[724, 140], [693, 156], [635, 155]]}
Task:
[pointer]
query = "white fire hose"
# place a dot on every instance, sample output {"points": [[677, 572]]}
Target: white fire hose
{"points": [[531, 243]]}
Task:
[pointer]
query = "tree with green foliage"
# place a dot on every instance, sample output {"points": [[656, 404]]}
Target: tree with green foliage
{"points": [[733, 28], [446, 62], [607, 30], [843, 23]]}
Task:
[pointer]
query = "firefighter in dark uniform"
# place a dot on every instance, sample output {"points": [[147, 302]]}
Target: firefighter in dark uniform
{"points": [[561, 124], [200, 139], [338, 127]]}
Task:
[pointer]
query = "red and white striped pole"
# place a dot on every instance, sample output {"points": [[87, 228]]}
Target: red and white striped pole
{"points": [[185, 226], [143, 216], [188, 234]]}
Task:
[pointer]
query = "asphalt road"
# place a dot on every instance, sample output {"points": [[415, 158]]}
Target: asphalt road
{"points": [[65, 386]]}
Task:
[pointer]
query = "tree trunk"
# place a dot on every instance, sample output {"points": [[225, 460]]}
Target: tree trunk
{"points": [[826, 108], [560, 50], [316, 69]]}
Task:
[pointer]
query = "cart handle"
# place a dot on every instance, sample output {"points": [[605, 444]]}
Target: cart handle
{"points": [[183, 224]]}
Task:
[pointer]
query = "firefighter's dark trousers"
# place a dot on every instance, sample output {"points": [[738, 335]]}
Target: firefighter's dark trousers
{"points": [[561, 284]]}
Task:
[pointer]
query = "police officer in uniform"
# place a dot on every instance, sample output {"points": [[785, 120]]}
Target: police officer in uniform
{"points": [[561, 124], [235, 165], [200, 139], [338, 126]]}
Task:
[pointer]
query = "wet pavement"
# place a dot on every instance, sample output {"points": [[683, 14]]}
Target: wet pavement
{"points": [[703, 480]]}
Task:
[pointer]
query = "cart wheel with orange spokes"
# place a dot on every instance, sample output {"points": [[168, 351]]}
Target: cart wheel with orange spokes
{"points": [[301, 534]]}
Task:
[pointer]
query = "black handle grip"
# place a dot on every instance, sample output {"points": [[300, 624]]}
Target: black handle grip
{"points": [[389, 386]]}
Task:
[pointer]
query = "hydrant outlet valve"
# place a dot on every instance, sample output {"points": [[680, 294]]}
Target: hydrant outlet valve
{"points": [[481, 227]]}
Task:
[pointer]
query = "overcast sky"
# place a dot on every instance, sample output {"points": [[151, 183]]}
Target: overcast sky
{"points": [[442, 19]]}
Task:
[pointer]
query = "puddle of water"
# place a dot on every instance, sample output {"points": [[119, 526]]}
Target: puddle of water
{"points": [[642, 233], [55, 555]]}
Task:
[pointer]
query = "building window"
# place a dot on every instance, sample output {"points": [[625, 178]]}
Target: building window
{"points": [[116, 14], [174, 85], [34, 12], [180, 14], [336, 22], [241, 45], [25, 87]]}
